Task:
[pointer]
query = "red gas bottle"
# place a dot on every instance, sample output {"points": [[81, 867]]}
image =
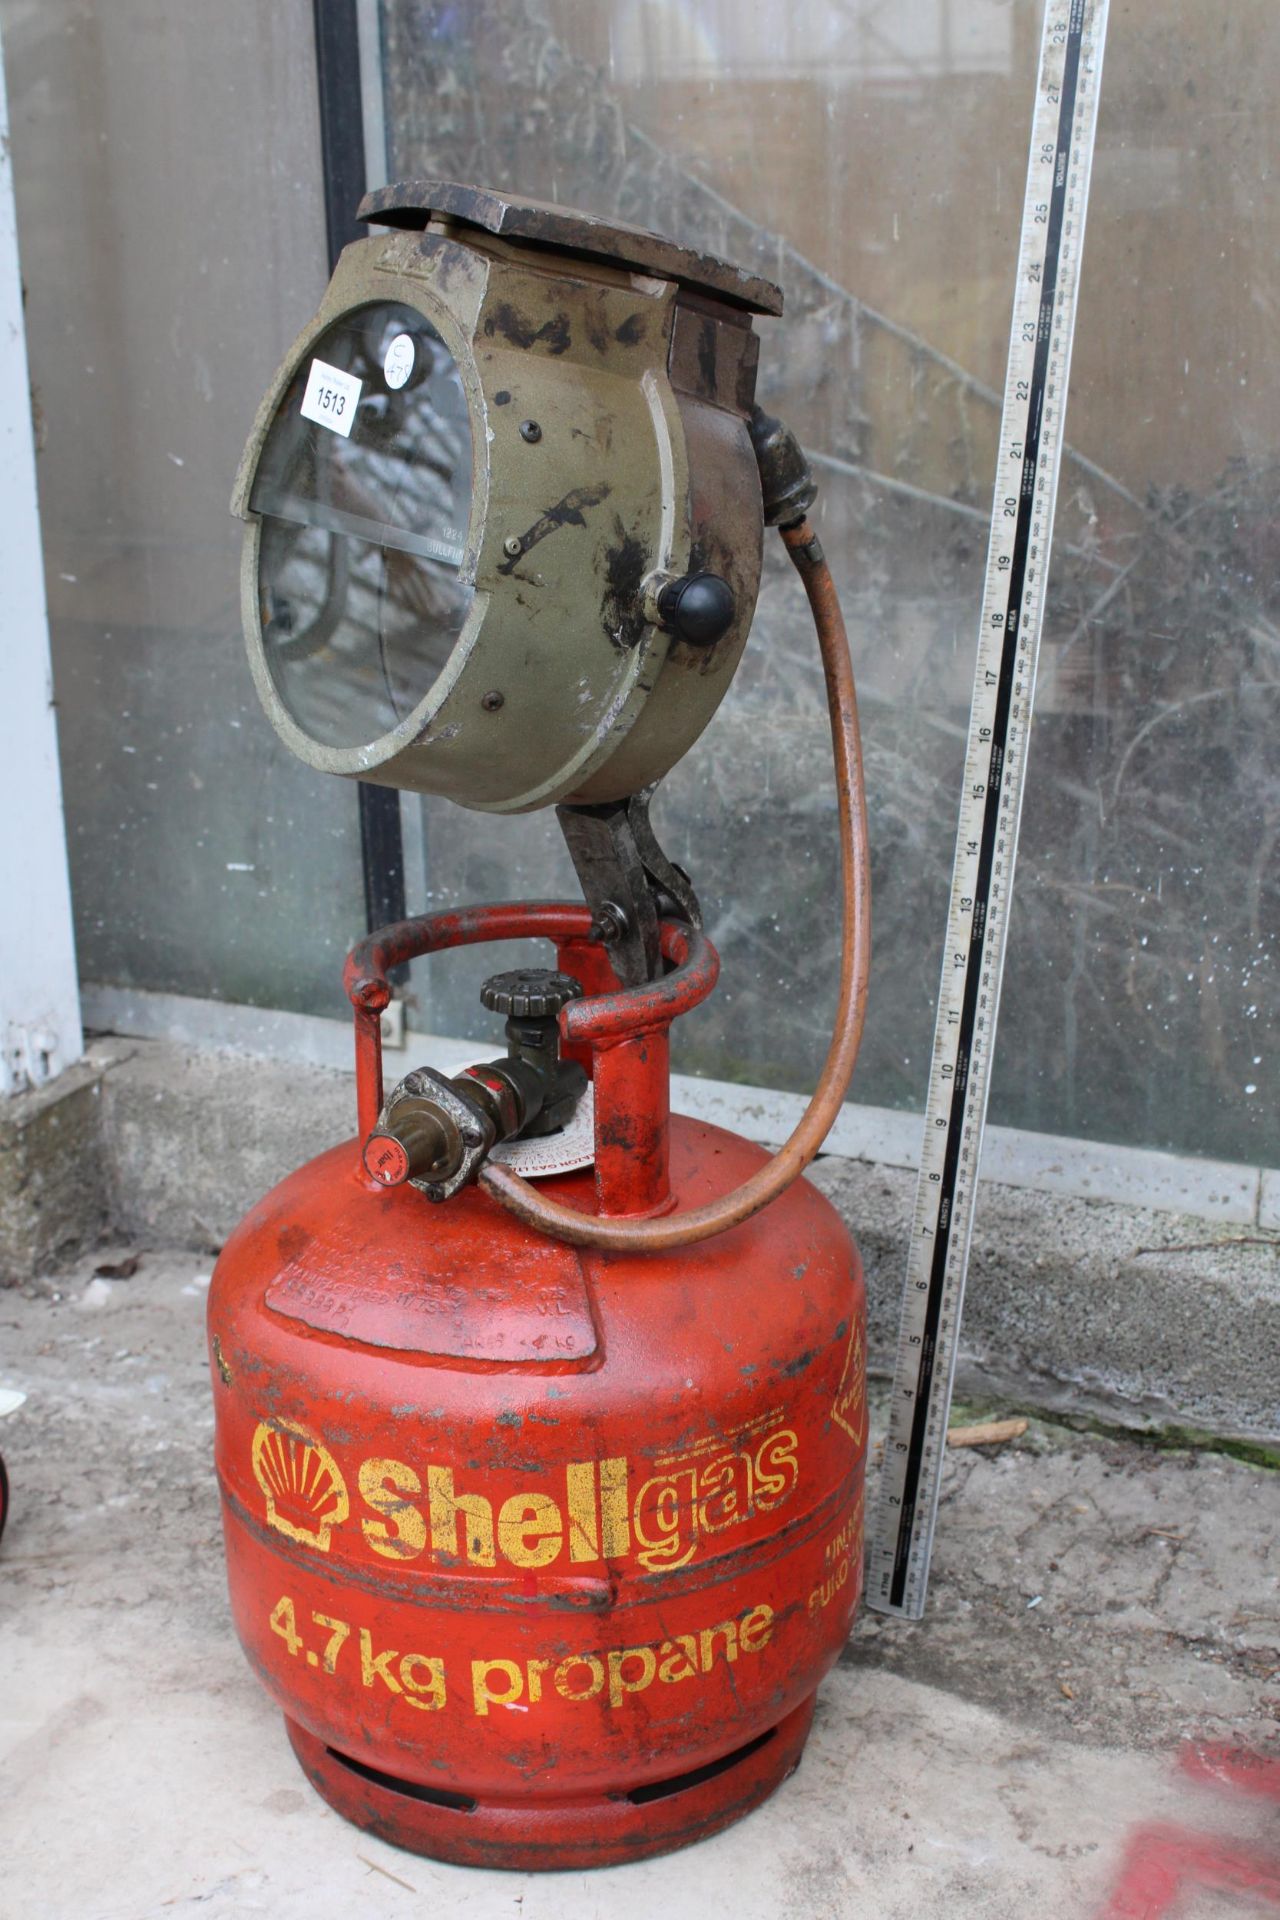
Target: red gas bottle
{"points": [[543, 1502], [542, 1550]]}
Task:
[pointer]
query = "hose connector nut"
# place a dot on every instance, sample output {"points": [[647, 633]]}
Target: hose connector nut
{"points": [[786, 479]]}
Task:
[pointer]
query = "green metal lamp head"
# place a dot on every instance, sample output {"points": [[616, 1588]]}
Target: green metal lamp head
{"points": [[504, 514]]}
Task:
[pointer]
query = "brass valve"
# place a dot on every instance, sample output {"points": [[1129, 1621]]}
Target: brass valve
{"points": [[436, 1131]]}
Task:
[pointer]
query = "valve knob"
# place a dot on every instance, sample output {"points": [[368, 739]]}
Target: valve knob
{"points": [[529, 993]]}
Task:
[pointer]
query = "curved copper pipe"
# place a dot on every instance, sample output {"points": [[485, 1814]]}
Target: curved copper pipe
{"points": [[620, 1235]]}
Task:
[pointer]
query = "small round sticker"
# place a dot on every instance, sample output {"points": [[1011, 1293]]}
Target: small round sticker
{"points": [[397, 361]]}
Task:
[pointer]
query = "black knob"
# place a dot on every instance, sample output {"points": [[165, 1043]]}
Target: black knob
{"points": [[699, 608], [529, 993]]}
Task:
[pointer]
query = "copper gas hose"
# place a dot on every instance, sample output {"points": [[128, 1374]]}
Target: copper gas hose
{"points": [[620, 1235]]}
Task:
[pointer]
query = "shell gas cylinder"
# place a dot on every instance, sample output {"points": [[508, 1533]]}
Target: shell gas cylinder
{"points": [[540, 1413]]}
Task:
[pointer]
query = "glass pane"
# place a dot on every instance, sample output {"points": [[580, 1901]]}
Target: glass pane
{"points": [[365, 492], [171, 223], [872, 158]]}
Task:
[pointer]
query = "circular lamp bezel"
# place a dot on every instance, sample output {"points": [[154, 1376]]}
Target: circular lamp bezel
{"points": [[359, 761]]}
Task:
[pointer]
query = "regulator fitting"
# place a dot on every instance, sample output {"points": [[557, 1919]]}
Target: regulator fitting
{"points": [[435, 1132]]}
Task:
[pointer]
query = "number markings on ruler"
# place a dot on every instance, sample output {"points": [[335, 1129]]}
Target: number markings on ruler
{"points": [[991, 799]]}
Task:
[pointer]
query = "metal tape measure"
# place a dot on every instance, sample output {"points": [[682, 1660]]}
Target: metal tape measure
{"points": [[1031, 437]]}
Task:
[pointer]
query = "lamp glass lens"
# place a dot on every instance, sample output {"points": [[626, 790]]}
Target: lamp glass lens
{"points": [[364, 493]]}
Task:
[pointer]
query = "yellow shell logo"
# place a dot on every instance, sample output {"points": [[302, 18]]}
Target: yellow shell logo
{"points": [[305, 1493]]}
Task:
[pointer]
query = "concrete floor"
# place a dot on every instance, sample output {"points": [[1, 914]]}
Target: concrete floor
{"points": [[1100, 1614]]}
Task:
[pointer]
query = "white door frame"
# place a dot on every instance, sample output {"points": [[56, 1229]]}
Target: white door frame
{"points": [[40, 1031]]}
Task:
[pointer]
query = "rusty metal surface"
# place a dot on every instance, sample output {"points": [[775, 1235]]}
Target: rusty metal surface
{"points": [[411, 203], [606, 857], [628, 882], [591, 1832]]}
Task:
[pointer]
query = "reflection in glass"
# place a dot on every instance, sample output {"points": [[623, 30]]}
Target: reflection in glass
{"points": [[361, 590], [869, 155]]}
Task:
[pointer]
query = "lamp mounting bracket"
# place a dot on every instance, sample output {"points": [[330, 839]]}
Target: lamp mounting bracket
{"points": [[629, 883]]}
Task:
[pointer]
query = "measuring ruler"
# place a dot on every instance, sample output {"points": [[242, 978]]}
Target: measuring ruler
{"points": [[1031, 435]]}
